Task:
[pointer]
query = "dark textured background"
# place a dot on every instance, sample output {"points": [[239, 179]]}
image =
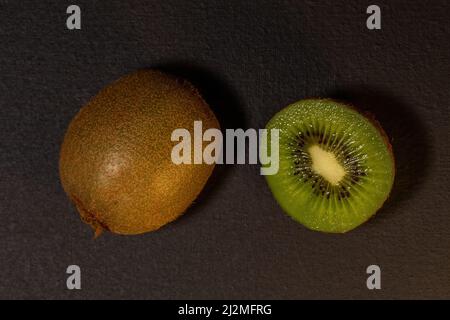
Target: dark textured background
{"points": [[249, 59]]}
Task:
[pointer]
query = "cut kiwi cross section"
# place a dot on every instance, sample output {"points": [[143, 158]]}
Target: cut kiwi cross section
{"points": [[336, 165]]}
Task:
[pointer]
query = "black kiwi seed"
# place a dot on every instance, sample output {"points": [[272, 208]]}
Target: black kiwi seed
{"points": [[352, 163]]}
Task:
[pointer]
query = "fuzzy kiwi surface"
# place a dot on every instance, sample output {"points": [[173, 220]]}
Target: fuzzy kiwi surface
{"points": [[115, 160], [336, 166]]}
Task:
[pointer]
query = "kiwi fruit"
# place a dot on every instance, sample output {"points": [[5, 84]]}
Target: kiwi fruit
{"points": [[115, 161], [336, 166]]}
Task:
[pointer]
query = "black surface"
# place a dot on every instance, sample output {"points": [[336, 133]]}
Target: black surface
{"points": [[250, 59]]}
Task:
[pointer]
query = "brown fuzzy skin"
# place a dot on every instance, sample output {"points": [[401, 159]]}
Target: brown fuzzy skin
{"points": [[115, 161]]}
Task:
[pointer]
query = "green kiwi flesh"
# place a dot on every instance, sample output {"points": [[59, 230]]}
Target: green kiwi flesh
{"points": [[336, 167]]}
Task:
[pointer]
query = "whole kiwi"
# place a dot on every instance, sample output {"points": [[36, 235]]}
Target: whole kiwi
{"points": [[115, 161]]}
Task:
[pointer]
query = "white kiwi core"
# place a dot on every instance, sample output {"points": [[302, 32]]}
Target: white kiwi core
{"points": [[326, 164]]}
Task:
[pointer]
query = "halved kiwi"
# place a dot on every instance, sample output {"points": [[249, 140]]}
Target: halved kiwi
{"points": [[336, 166]]}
